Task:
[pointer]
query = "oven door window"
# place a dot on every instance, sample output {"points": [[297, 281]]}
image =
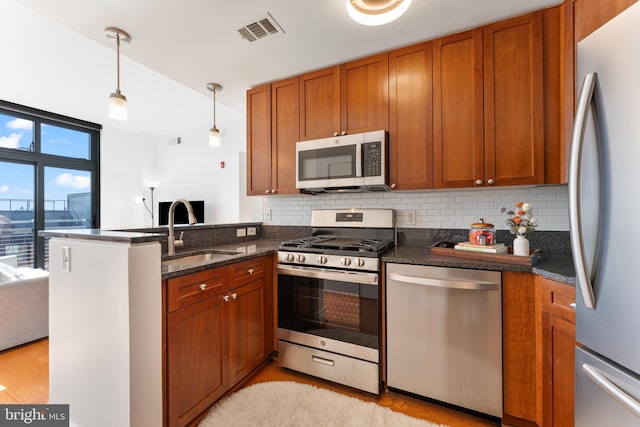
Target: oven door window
{"points": [[342, 311], [327, 163]]}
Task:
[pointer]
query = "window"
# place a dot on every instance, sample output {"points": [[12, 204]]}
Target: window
{"points": [[49, 170]]}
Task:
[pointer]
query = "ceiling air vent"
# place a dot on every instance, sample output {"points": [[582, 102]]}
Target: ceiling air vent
{"points": [[260, 27]]}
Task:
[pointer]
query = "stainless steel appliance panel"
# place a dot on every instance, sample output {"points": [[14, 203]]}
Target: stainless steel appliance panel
{"points": [[608, 308], [444, 335], [606, 395]]}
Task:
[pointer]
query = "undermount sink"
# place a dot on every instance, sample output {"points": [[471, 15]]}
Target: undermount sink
{"points": [[198, 258]]}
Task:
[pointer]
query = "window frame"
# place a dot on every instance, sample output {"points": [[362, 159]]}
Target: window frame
{"points": [[40, 161]]}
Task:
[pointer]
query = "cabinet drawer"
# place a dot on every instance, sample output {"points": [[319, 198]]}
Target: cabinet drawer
{"points": [[559, 299], [191, 288], [247, 271]]}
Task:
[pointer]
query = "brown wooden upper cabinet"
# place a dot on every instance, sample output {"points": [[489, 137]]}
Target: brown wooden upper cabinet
{"points": [[410, 117], [488, 105], [272, 132], [345, 99]]}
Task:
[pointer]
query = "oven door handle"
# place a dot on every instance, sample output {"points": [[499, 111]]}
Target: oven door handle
{"points": [[321, 273]]}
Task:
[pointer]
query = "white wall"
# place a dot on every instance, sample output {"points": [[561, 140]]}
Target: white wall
{"points": [[434, 209]]}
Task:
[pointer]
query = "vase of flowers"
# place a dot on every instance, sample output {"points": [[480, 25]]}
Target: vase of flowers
{"points": [[520, 223]]}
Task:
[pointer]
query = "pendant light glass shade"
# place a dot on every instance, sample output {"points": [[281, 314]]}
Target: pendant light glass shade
{"points": [[214, 137], [214, 132], [117, 101], [376, 12]]}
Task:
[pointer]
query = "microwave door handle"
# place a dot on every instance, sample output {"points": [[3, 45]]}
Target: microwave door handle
{"points": [[358, 160]]}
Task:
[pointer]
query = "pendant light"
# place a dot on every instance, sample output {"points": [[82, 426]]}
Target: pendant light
{"points": [[376, 12], [214, 132], [117, 101]]}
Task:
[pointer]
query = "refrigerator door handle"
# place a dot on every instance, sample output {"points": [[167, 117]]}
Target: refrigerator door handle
{"points": [[629, 403], [583, 276]]}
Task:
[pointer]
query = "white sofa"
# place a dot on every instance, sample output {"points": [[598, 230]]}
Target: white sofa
{"points": [[24, 303]]}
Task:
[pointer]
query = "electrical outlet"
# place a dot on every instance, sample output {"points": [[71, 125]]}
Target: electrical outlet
{"points": [[66, 259], [267, 214], [241, 232], [410, 218], [251, 231]]}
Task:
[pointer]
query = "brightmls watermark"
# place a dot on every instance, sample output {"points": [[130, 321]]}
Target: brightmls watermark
{"points": [[34, 415]]}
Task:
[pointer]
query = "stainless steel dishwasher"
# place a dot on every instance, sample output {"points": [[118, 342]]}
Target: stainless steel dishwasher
{"points": [[444, 335]]}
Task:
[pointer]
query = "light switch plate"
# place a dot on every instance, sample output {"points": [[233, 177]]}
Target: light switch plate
{"points": [[267, 214]]}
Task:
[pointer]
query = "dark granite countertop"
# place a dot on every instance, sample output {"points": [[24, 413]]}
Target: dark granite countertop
{"points": [[245, 250], [557, 267], [103, 235]]}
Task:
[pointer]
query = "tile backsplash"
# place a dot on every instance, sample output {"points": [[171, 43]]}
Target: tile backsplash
{"points": [[453, 209]]}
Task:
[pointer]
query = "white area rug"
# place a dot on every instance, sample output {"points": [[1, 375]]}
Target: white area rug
{"points": [[290, 404]]}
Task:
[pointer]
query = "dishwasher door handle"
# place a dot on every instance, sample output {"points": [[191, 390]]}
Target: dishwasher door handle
{"points": [[449, 284]]}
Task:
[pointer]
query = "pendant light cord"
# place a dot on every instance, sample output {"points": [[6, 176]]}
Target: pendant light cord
{"points": [[118, 62]]}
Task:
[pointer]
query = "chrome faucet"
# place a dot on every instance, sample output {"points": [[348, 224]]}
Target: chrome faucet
{"points": [[172, 242]]}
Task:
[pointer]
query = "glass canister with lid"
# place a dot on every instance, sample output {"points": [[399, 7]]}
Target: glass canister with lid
{"points": [[482, 233]]}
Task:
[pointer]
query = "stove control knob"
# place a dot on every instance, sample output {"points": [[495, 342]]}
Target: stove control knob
{"points": [[300, 258], [360, 262], [322, 259], [290, 257], [345, 261]]}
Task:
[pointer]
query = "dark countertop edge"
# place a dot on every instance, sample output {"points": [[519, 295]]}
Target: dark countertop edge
{"points": [[103, 235], [556, 267]]}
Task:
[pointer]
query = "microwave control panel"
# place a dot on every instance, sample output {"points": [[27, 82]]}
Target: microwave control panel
{"points": [[372, 159]]}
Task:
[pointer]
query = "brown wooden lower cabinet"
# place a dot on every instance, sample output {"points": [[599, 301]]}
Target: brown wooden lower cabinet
{"points": [[218, 328], [558, 355], [538, 351]]}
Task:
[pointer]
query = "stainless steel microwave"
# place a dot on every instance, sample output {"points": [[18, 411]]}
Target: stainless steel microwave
{"points": [[347, 163]]}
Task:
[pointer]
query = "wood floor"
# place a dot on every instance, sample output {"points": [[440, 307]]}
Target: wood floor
{"points": [[24, 378]]}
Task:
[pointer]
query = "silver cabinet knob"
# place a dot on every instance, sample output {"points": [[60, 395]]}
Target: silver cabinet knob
{"points": [[335, 134], [491, 181], [572, 306], [343, 133], [273, 190], [202, 286], [234, 296], [393, 185], [226, 298], [250, 271], [479, 182], [266, 191]]}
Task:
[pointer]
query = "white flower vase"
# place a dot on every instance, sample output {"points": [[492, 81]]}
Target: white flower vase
{"points": [[521, 246]]}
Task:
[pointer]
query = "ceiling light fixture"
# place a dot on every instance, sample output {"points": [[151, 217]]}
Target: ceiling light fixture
{"points": [[117, 101], [376, 12], [214, 132]]}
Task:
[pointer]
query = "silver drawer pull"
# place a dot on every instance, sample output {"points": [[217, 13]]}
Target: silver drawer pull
{"points": [[226, 298], [327, 362], [234, 296], [572, 306], [203, 286], [250, 271]]}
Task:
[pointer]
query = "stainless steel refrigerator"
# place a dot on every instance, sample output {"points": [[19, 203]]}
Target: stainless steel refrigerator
{"points": [[604, 208]]}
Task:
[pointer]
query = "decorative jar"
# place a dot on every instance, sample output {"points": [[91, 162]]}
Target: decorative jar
{"points": [[482, 233]]}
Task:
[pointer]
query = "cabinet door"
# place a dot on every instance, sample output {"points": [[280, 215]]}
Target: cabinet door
{"points": [[364, 99], [514, 102], [285, 132], [259, 140], [457, 112], [197, 338], [411, 118], [247, 334], [320, 103]]}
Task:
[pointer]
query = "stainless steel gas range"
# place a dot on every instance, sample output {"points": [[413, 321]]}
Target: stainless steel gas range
{"points": [[329, 296]]}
